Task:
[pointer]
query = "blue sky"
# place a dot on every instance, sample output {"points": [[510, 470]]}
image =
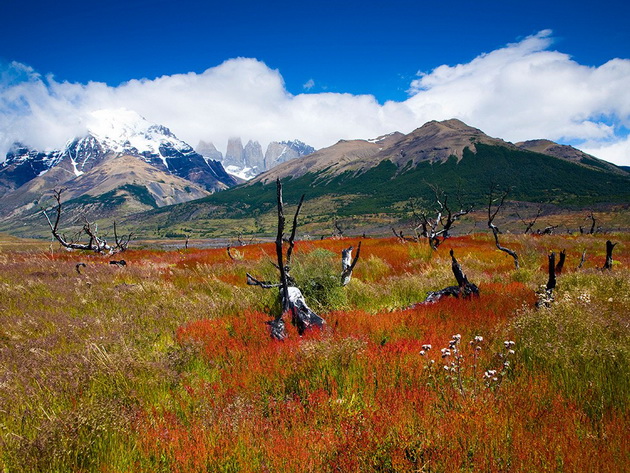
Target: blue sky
{"points": [[309, 49]]}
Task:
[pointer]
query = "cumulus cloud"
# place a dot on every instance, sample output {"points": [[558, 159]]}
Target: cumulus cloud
{"points": [[522, 91]]}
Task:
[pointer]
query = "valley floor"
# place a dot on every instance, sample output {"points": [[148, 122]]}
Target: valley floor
{"points": [[166, 364]]}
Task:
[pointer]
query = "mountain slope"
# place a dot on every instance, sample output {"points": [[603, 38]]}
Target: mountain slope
{"points": [[142, 165], [376, 179], [117, 132], [137, 186], [569, 153], [433, 142]]}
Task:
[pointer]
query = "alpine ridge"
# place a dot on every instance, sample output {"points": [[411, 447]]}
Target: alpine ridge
{"points": [[119, 149]]}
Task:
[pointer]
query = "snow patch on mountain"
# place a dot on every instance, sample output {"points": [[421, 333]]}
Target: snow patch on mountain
{"points": [[241, 172], [110, 134], [125, 131]]}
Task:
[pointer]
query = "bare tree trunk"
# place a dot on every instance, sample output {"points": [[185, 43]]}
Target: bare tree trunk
{"points": [[560, 265], [348, 264], [291, 298], [463, 289], [609, 251], [495, 229], [593, 222], [582, 259], [545, 296]]}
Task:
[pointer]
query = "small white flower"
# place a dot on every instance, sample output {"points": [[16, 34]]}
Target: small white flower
{"points": [[426, 347], [457, 337], [422, 352], [511, 352], [478, 339]]}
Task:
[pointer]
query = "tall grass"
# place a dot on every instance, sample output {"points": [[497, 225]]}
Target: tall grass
{"points": [[167, 365]]}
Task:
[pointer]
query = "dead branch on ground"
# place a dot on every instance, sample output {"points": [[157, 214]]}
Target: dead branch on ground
{"points": [[95, 243]]}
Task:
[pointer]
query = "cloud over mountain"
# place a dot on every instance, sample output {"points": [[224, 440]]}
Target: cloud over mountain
{"points": [[522, 91]]}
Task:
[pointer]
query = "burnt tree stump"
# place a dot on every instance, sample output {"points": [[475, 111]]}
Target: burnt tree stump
{"points": [[464, 288]]}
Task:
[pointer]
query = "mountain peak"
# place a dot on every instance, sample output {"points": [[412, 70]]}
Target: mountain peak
{"points": [[452, 125]]}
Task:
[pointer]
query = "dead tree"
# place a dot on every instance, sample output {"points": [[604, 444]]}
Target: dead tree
{"points": [[464, 288], [582, 259], [95, 242], [401, 237], [545, 297], [436, 230], [531, 223], [548, 230], [229, 253], [560, 265], [348, 264], [291, 298], [593, 222], [338, 233], [609, 251], [494, 228]]}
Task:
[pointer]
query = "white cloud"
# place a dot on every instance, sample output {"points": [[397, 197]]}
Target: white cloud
{"points": [[616, 152], [309, 84], [521, 91]]}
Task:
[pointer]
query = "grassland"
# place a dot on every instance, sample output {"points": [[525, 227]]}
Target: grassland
{"points": [[166, 365]]}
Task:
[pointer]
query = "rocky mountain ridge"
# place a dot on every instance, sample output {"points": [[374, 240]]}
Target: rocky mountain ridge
{"points": [[248, 161], [433, 142], [118, 149]]}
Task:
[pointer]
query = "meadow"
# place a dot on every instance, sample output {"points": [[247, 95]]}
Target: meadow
{"points": [[166, 364]]}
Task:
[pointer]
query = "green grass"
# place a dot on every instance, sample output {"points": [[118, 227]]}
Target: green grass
{"points": [[166, 365]]}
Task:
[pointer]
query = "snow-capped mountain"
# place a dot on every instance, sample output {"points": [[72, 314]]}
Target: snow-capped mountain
{"points": [[122, 164], [117, 133]]}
